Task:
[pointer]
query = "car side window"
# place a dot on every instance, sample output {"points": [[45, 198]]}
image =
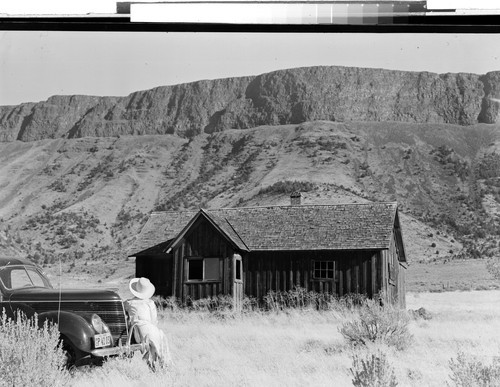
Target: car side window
{"points": [[35, 277], [5, 277], [19, 279]]}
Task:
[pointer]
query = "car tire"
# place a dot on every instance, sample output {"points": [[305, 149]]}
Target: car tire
{"points": [[72, 354]]}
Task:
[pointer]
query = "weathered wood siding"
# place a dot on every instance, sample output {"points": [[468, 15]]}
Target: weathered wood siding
{"points": [[203, 241], [368, 272], [402, 285], [158, 268], [355, 272], [394, 272]]}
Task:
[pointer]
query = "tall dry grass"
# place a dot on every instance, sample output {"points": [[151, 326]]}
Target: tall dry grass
{"points": [[304, 346]]}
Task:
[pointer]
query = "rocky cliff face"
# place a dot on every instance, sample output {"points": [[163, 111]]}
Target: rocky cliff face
{"points": [[282, 97], [353, 94]]}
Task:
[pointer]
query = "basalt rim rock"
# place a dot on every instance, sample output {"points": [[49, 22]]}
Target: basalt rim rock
{"points": [[281, 97]]}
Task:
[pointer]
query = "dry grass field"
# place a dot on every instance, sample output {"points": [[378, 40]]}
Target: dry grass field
{"points": [[450, 275], [305, 348]]}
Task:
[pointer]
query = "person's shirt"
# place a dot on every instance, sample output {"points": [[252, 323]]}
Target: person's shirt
{"points": [[141, 311]]}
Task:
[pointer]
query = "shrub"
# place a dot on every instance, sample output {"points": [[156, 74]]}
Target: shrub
{"points": [[466, 371], [372, 371], [376, 323], [287, 187], [59, 186], [493, 267], [30, 355]]}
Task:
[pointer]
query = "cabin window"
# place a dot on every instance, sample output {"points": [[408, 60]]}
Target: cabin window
{"points": [[211, 269], [237, 274], [324, 269], [391, 270], [203, 269], [392, 273], [195, 269]]}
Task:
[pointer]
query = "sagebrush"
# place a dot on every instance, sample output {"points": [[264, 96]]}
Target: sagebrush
{"points": [[373, 370], [467, 371], [30, 355], [378, 323], [493, 267]]}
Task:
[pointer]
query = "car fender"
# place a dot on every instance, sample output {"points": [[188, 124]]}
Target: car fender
{"points": [[19, 307], [72, 326]]}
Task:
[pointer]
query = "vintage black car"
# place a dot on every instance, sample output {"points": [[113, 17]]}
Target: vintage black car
{"points": [[92, 323]]}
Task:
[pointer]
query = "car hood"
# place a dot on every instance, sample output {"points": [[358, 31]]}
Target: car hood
{"points": [[45, 294]]}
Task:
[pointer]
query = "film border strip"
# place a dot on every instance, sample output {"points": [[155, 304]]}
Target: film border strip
{"points": [[275, 12], [410, 16]]}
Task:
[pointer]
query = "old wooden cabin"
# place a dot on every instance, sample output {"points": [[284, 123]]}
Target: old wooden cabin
{"points": [[340, 248]]}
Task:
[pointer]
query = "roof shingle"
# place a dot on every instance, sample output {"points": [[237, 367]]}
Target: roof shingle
{"points": [[313, 227], [161, 227], [305, 227]]}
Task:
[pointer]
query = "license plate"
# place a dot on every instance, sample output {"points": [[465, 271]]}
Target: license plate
{"points": [[102, 340]]}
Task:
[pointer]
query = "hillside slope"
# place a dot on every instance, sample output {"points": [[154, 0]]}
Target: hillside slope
{"points": [[88, 198], [80, 174], [282, 97]]}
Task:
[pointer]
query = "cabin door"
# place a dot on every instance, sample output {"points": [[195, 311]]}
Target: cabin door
{"points": [[237, 282]]}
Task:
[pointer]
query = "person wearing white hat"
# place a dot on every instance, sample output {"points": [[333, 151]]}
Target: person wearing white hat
{"points": [[143, 317]]}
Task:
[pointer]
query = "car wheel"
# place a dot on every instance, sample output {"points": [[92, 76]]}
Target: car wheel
{"points": [[71, 353]]}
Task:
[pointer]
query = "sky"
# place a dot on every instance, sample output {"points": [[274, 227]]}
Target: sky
{"points": [[35, 65]]}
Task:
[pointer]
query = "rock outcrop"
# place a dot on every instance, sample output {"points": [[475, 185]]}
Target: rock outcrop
{"points": [[276, 98]]}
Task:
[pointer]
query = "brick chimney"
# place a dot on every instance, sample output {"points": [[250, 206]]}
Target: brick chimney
{"points": [[295, 198]]}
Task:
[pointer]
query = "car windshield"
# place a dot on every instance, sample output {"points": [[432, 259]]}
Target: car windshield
{"points": [[17, 277]]}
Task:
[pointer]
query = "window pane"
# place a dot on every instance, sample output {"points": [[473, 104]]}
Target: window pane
{"points": [[212, 269], [195, 269], [5, 277], [238, 269], [331, 272], [20, 279], [36, 278], [324, 269]]}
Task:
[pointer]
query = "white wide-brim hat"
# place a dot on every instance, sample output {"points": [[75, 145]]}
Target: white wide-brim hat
{"points": [[141, 288]]}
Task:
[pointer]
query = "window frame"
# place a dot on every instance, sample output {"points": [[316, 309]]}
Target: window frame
{"points": [[327, 263], [391, 269], [30, 271], [391, 274], [204, 279], [239, 260]]}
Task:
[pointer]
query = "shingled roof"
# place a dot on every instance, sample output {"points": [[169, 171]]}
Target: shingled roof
{"points": [[161, 227], [304, 227]]}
